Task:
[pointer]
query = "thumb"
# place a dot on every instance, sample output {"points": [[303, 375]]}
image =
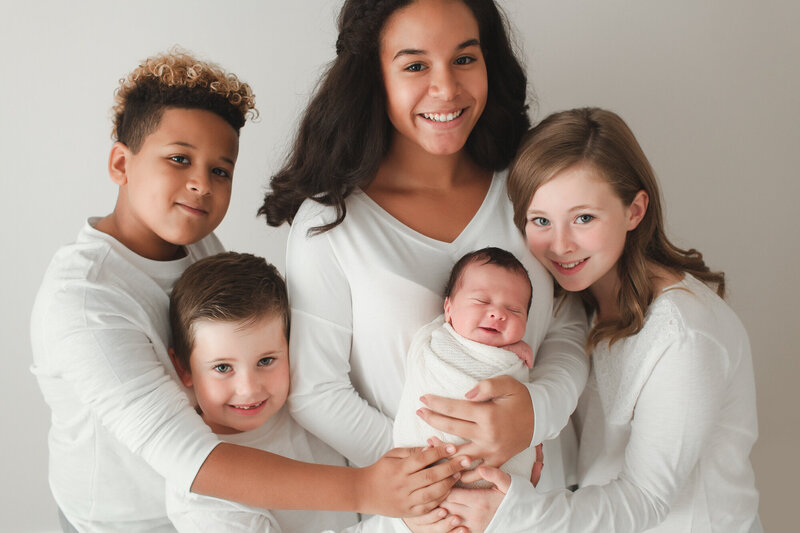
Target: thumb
{"points": [[500, 479], [482, 392]]}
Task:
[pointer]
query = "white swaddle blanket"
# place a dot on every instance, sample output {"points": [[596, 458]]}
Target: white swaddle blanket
{"points": [[442, 362]]}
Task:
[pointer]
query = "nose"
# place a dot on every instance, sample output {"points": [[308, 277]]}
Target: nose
{"points": [[497, 312], [199, 182], [562, 242], [444, 84], [247, 384]]}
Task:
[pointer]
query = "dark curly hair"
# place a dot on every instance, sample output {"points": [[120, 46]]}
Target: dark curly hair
{"points": [[345, 131], [176, 79]]}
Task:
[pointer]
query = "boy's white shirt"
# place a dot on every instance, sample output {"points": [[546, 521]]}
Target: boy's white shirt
{"points": [[121, 421], [281, 435]]}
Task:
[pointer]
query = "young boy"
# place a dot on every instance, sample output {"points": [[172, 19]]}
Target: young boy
{"points": [[120, 423], [479, 336], [230, 324]]}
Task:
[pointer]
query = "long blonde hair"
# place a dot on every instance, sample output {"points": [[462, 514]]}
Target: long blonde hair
{"points": [[602, 140]]}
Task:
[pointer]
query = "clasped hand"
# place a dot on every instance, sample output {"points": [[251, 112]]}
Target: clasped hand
{"points": [[496, 418]]}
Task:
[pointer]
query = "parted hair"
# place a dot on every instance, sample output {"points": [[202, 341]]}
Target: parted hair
{"points": [[176, 80], [603, 141], [487, 256], [227, 287], [345, 131]]}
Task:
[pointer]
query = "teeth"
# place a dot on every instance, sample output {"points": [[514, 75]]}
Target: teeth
{"points": [[570, 265], [442, 117], [249, 406]]}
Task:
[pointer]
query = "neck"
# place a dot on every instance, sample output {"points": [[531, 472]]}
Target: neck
{"points": [[155, 249], [605, 291], [407, 166]]}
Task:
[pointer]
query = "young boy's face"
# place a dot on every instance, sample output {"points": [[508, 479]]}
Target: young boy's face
{"points": [[490, 305], [175, 190], [240, 375]]}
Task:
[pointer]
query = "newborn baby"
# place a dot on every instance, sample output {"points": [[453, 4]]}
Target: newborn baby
{"points": [[479, 336]]}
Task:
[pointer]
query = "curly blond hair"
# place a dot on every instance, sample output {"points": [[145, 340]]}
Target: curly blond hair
{"points": [[176, 79]]}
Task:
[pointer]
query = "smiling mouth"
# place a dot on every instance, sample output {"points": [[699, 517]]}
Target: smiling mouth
{"points": [[248, 407], [192, 209], [442, 117], [569, 266]]}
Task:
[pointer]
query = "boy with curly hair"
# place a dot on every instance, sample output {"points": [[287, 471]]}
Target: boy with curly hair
{"points": [[121, 421]]}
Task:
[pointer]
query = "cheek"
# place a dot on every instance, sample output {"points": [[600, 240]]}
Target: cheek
{"points": [[537, 243]]}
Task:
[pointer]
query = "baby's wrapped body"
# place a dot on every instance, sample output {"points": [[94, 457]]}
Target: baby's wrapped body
{"points": [[444, 363]]}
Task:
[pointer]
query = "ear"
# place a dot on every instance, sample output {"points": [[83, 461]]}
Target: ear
{"points": [[637, 209], [183, 373], [118, 162], [447, 306]]}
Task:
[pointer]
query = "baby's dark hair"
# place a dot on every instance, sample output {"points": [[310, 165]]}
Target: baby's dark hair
{"points": [[177, 80], [345, 130], [487, 256], [227, 287]]}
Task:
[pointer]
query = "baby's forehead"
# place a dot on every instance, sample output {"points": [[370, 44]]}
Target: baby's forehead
{"points": [[476, 273]]}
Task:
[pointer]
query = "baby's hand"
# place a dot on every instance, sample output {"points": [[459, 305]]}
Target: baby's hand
{"points": [[523, 351], [408, 481]]}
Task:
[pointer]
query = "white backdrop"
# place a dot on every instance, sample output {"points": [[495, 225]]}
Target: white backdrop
{"points": [[710, 88]]}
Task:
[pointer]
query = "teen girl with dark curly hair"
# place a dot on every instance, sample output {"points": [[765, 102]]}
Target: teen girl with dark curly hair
{"points": [[396, 172]]}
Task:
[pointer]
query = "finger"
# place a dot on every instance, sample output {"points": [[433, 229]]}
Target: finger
{"points": [[500, 479], [428, 497], [492, 388], [538, 465], [421, 458], [432, 517], [470, 476], [455, 426], [452, 407]]}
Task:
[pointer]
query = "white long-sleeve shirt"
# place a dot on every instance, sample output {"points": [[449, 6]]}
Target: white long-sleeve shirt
{"points": [[666, 425], [121, 421], [195, 513], [360, 291]]}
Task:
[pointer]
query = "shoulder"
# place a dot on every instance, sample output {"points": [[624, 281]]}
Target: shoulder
{"points": [[690, 308], [209, 245]]}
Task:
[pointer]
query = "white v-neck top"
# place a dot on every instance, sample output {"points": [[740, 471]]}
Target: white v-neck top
{"points": [[360, 291]]}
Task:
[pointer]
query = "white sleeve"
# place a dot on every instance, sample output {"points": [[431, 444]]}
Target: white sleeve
{"points": [[672, 421], [213, 516], [115, 371], [378, 524], [560, 370], [322, 397]]}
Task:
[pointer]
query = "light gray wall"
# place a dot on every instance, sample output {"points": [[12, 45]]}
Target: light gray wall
{"points": [[710, 88]]}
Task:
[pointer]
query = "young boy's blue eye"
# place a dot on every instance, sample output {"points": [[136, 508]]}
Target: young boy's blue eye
{"points": [[182, 159], [266, 361], [223, 368], [583, 219]]}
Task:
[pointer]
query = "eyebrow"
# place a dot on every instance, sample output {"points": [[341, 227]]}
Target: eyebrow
{"points": [[571, 209], [417, 51], [193, 147]]}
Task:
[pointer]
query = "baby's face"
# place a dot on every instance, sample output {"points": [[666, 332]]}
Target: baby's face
{"points": [[490, 305], [239, 373]]}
